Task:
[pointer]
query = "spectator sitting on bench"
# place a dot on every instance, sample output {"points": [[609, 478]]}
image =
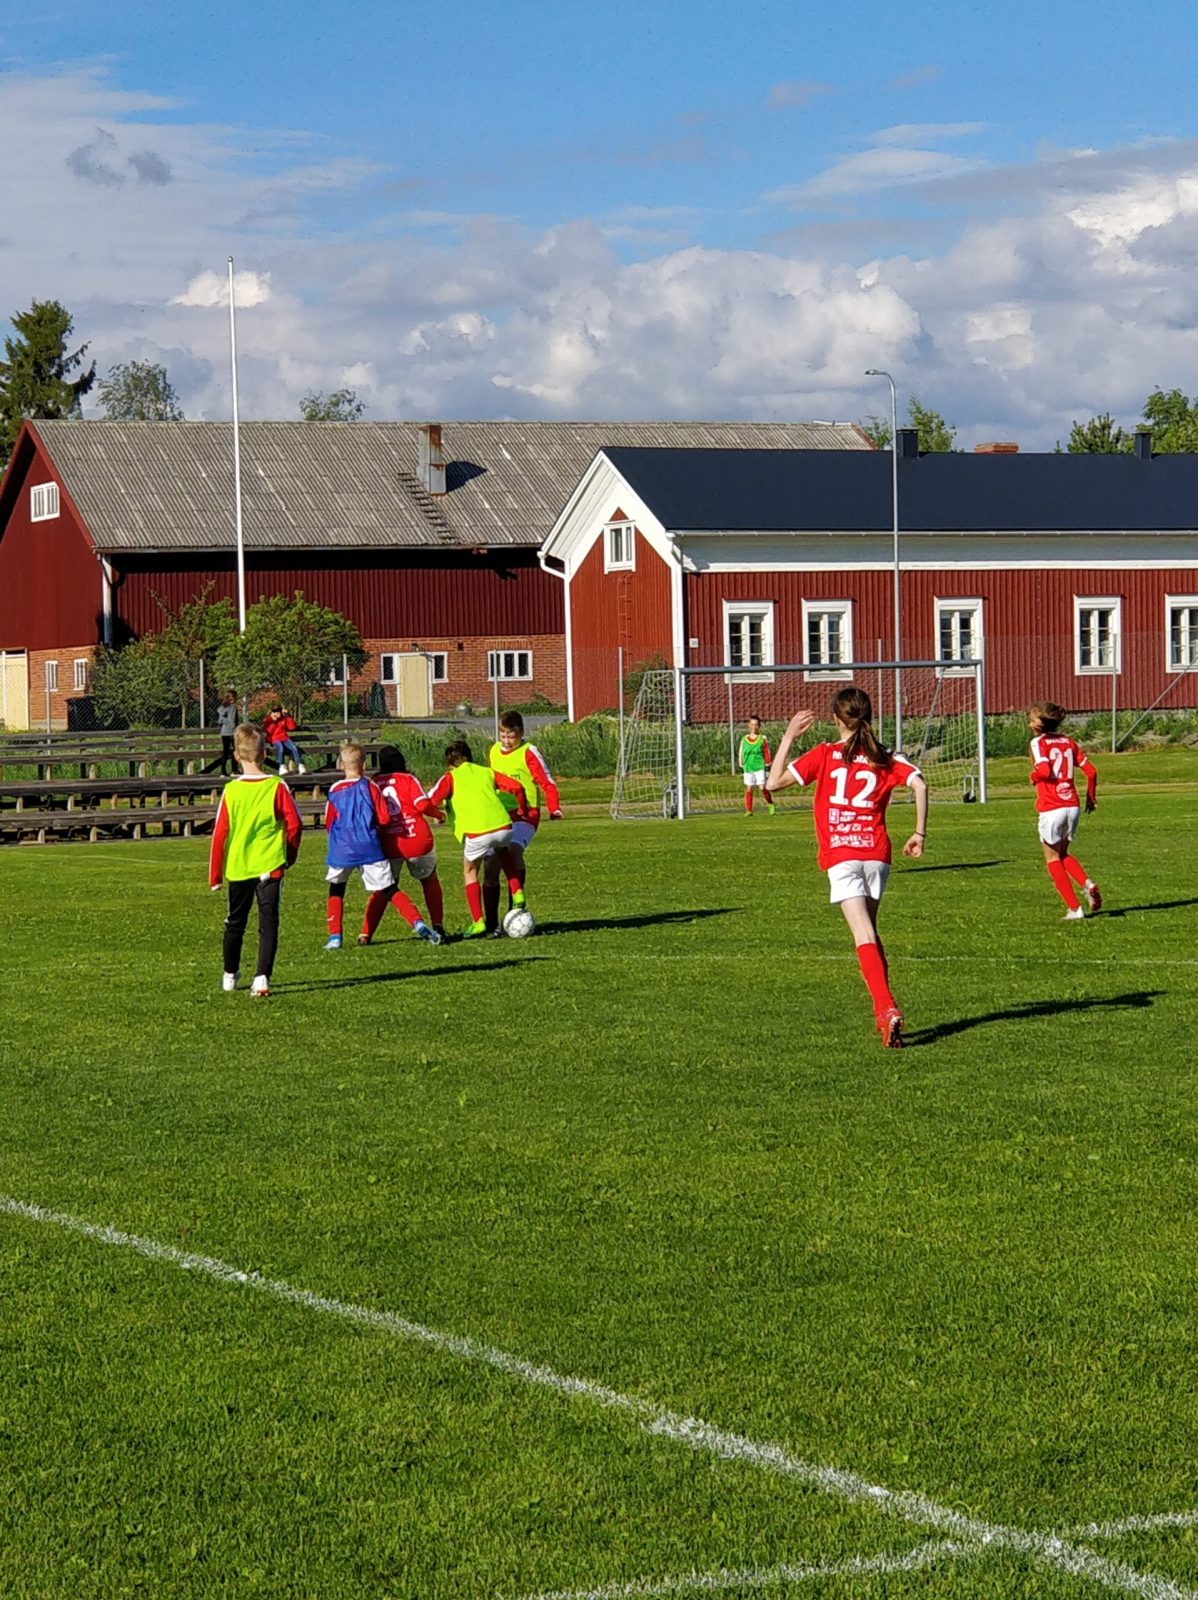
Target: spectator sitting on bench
{"points": [[280, 725]]}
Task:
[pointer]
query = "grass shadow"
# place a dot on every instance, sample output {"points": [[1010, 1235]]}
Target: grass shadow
{"points": [[322, 984], [1155, 905], [646, 919], [959, 866], [1137, 999]]}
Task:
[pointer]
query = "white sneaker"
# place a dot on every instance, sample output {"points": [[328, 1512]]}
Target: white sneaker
{"points": [[1076, 915], [260, 988], [229, 982], [301, 767]]}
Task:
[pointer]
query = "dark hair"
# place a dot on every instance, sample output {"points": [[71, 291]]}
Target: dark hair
{"points": [[753, 717], [513, 722], [391, 759], [852, 707], [458, 752], [278, 706], [1048, 714]]}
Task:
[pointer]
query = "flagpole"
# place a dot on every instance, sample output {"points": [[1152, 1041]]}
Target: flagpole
{"points": [[236, 461]]}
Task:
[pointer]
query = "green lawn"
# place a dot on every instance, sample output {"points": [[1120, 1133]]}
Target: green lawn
{"points": [[657, 1147]]}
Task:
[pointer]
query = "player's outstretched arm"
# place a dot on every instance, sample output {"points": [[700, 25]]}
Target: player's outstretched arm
{"points": [[919, 788], [779, 777], [1091, 772]]}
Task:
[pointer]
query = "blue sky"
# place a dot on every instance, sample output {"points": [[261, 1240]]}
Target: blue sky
{"points": [[674, 209]]}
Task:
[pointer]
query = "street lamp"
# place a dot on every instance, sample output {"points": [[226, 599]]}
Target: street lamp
{"points": [[876, 372]]}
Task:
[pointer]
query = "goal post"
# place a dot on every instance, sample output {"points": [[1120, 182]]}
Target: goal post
{"points": [[679, 754]]}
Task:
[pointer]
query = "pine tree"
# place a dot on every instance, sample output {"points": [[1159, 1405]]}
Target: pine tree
{"points": [[35, 375]]}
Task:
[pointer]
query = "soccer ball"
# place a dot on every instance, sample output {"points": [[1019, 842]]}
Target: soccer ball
{"points": [[519, 923]]}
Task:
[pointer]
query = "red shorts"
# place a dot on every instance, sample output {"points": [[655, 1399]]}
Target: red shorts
{"points": [[406, 847]]}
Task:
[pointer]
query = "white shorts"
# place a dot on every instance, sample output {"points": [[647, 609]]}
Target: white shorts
{"points": [[523, 833], [755, 780], [478, 845], [853, 880], [1059, 826], [421, 867], [376, 875]]}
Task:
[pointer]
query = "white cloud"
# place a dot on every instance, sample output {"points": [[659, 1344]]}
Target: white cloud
{"points": [[868, 171], [212, 289], [797, 92], [927, 132]]}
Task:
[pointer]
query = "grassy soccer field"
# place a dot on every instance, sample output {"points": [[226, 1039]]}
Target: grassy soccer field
{"points": [[934, 1306]]}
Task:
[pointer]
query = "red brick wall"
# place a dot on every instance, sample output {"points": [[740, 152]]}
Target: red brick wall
{"points": [[466, 679], [66, 691]]}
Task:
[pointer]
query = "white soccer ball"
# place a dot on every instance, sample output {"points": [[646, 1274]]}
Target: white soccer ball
{"points": [[519, 923]]}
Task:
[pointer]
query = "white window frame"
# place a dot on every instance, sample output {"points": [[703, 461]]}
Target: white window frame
{"points": [[1083, 604], [43, 502], [81, 664], [52, 677], [498, 669], [1178, 602], [625, 560], [820, 671], [947, 667], [750, 608], [435, 657]]}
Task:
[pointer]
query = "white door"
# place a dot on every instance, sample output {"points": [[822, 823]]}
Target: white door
{"points": [[14, 690], [407, 678]]}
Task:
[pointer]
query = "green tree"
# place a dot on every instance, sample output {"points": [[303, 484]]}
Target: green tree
{"points": [[935, 435], [135, 686], [1173, 420], [877, 431], [139, 391], [35, 375], [156, 678], [340, 405], [1100, 436], [291, 647]]}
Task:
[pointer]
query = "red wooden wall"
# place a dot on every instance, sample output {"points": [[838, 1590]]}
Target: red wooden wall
{"points": [[613, 609], [50, 582]]}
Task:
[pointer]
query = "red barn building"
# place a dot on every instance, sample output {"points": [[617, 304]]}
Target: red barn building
{"points": [[1074, 578], [425, 536]]}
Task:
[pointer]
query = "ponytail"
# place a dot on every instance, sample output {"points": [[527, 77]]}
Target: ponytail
{"points": [[852, 707]]}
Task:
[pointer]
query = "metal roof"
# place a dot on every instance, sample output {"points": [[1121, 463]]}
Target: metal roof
{"points": [[764, 491], [326, 485]]}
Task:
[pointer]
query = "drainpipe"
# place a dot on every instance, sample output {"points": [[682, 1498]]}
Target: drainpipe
{"points": [[543, 563], [107, 584]]}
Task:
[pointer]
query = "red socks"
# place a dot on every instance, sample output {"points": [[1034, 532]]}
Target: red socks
{"points": [[873, 970], [474, 899], [1060, 875], [405, 907], [434, 900], [748, 799], [375, 907], [334, 907], [1075, 870]]}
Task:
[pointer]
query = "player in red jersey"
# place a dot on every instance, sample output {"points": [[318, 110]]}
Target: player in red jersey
{"points": [[407, 838], [854, 779], [1055, 759]]}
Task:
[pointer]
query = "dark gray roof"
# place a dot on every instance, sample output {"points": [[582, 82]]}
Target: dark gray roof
{"points": [[308, 485], [839, 491]]}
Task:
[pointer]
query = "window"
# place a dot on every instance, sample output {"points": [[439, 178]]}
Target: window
{"points": [[1181, 643], [389, 668], [958, 630], [43, 502], [619, 547], [828, 636], [81, 666], [1097, 635], [749, 639], [508, 664], [52, 677], [440, 661]]}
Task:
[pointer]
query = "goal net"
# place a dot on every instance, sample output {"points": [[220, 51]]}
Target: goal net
{"points": [[680, 752]]}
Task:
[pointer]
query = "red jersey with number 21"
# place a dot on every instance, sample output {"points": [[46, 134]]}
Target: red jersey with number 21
{"points": [[850, 802]]}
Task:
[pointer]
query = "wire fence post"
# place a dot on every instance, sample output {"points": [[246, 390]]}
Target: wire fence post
{"points": [[980, 686], [1114, 700], [679, 759], [880, 708], [48, 723], [731, 732], [495, 681], [620, 697], [345, 691], [203, 713]]}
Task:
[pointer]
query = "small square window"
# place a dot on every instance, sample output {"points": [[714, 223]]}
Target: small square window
{"points": [[43, 502], [1181, 637], [1098, 635], [81, 666], [619, 547], [828, 637], [505, 666], [52, 676], [440, 663]]}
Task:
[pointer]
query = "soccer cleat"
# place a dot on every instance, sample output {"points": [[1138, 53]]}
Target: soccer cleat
{"points": [[423, 931], [773, 810], [442, 932], [498, 933], [333, 942], [1094, 896], [890, 1026], [1076, 915], [475, 930], [260, 988], [229, 981], [519, 903], [363, 938]]}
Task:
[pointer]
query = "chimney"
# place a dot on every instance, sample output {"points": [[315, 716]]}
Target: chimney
{"points": [[1143, 444], [908, 444], [996, 449], [431, 465]]}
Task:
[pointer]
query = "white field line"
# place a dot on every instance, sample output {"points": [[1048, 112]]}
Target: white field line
{"points": [[1148, 1524], [924, 1555], [1046, 1549]]}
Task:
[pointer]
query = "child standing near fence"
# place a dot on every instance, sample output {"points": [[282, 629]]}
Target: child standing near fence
{"points": [[1055, 759], [256, 837], [755, 760], [854, 778]]}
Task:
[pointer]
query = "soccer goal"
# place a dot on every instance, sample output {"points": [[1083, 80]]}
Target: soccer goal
{"points": [[680, 752]]}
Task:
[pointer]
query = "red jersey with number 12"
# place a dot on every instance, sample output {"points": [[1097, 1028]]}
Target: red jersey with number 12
{"points": [[850, 802]]}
